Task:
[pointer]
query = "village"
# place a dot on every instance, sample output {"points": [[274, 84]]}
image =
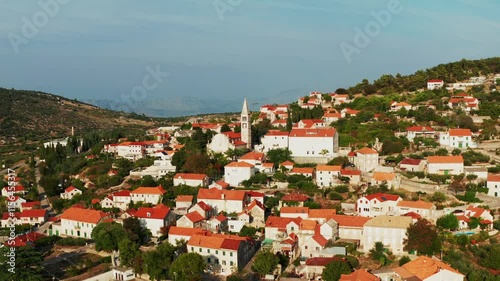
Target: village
{"points": [[324, 186]]}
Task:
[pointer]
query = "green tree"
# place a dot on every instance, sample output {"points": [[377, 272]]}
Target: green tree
{"points": [[187, 267], [279, 155], [404, 260], [128, 252], [265, 262], [422, 237], [247, 231], [225, 128], [157, 263], [107, 235], [27, 266], [335, 269], [449, 221], [136, 233]]}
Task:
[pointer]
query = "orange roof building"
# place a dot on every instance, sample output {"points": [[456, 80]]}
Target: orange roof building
{"points": [[424, 267], [359, 275]]}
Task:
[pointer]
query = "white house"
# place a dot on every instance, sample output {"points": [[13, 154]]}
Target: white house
{"points": [[377, 204], [330, 117], [457, 138], [350, 227], [327, 175], [427, 269], [274, 139], [389, 179], [412, 165], [257, 211], [205, 210], [256, 159], [120, 199], [493, 185], [79, 222], [311, 124], [228, 201], [224, 254], [184, 201], [354, 176], [15, 202], [237, 172], [225, 141], [396, 106], [419, 131], [155, 219], [147, 194], [445, 165], [70, 192], [390, 230], [278, 228], [16, 189], [192, 220], [191, 179], [33, 217], [313, 145], [435, 84], [131, 150], [426, 210], [177, 234], [366, 159]]}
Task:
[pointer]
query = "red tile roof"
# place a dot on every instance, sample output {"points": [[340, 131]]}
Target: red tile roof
{"points": [[152, 213], [84, 215], [254, 204], [350, 221], [70, 188], [204, 206], [410, 161], [277, 132], [331, 168], [184, 198], [214, 242], [305, 170], [359, 275], [190, 176], [158, 190], [435, 81], [122, 193], [416, 204], [216, 194], [313, 133], [34, 213], [367, 150], [184, 231], [413, 215], [382, 197], [194, 217], [445, 159], [253, 156], [322, 241], [423, 267], [493, 178], [240, 165], [460, 133], [278, 222], [294, 210], [30, 204]]}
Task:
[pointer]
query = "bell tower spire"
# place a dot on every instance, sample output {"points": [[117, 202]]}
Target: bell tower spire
{"points": [[246, 128]]}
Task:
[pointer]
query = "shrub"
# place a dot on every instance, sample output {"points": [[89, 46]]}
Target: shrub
{"points": [[69, 241], [341, 189], [404, 260]]}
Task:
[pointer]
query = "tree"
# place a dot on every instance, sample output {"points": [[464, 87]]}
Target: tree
{"points": [[247, 231], [27, 266], [187, 267], [422, 237], [279, 155], [404, 260], [158, 262], [128, 252], [225, 128], [473, 223], [335, 269], [136, 233], [196, 163], [265, 263], [449, 221], [107, 236]]}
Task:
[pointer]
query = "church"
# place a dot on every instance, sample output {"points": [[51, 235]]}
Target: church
{"points": [[222, 142]]}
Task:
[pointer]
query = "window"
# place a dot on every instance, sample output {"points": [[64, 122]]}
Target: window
{"points": [[200, 250], [208, 251], [208, 260], [231, 263], [192, 248], [230, 254], [223, 262], [223, 253], [216, 252], [305, 247]]}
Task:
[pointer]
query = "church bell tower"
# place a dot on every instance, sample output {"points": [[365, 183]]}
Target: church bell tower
{"points": [[246, 128]]}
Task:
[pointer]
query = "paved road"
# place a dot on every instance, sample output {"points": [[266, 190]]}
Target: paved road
{"points": [[44, 201], [4, 171]]}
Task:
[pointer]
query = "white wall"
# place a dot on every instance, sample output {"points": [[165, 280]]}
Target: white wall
{"points": [[235, 175]]}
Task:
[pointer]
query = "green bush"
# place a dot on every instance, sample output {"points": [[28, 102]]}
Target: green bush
{"points": [[69, 241]]}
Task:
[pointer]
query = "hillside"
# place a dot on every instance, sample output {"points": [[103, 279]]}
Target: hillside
{"points": [[451, 72], [38, 116]]}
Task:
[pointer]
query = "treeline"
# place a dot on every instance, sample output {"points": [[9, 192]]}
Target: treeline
{"points": [[449, 73]]}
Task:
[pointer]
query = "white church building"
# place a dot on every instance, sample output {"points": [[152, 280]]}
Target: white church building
{"points": [[222, 142]]}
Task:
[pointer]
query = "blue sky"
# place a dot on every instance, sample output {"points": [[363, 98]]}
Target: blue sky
{"points": [[262, 49]]}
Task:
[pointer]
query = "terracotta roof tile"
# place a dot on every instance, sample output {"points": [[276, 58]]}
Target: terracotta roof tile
{"points": [[416, 204], [367, 150], [423, 267], [149, 190], [313, 133], [330, 168], [240, 165], [152, 213], [359, 275], [84, 215], [190, 176], [460, 132], [216, 194], [194, 217], [445, 159]]}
